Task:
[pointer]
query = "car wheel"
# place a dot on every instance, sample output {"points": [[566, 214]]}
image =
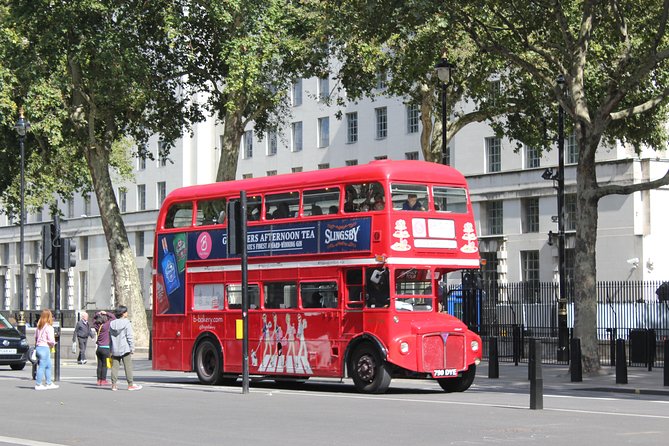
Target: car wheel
{"points": [[18, 366]]}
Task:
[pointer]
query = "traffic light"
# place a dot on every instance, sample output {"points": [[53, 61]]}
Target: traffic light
{"points": [[68, 252], [48, 251]]}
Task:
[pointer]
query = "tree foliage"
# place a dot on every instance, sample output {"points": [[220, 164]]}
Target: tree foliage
{"points": [[613, 56]]}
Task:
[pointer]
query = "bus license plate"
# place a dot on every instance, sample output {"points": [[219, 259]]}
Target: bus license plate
{"points": [[445, 372], [7, 351]]}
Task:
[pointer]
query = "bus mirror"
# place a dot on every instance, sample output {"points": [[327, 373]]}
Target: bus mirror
{"points": [[234, 228], [377, 276]]}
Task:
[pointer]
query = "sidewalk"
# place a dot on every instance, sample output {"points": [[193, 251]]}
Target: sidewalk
{"points": [[558, 378]]}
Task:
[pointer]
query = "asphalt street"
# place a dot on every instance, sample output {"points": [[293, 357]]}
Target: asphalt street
{"points": [[173, 409]]}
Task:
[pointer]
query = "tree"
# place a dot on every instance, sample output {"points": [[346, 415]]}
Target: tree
{"points": [[95, 73], [401, 45], [613, 56], [243, 57]]}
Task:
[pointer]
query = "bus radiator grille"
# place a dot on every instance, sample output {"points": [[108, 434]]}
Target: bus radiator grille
{"points": [[444, 351]]}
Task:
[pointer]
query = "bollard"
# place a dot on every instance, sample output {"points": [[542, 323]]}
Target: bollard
{"points": [[493, 358], [531, 360], [537, 379], [150, 345], [576, 366], [666, 359], [517, 344], [621, 362]]}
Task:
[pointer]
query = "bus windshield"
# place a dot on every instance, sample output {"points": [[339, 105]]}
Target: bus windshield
{"points": [[413, 288]]}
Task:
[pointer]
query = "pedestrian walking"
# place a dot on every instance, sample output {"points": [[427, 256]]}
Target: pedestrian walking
{"points": [[82, 331], [101, 322], [45, 340], [122, 348]]}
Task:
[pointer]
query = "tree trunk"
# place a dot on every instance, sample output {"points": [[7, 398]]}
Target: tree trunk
{"points": [[233, 129], [124, 269], [585, 268]]}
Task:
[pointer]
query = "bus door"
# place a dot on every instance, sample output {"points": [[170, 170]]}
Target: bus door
{"points": [[354, 295]]}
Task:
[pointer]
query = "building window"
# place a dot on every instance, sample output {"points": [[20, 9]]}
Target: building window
{"points": [[381, 157], [351, 162], [296, 137], [381, 122], [570, 212], [162, 153], [296, 169], [530, 221], [381, 80], [272, 143], [413, 118], [351, 127], [323, 166], [323, 132], [161, 193], [247, 176], [569, 257], [495, 217], [83, 286], [572, 149], [297, 93], [83, 250], [123, 199], [141, 159], [411, 155], [141, 197], [494, 91], [532, 157], [323, 89], [87, 204], [70, 208], [271, 173], [493, 150], [489, 270], [139, 243], [530, 266], [248, 144]]}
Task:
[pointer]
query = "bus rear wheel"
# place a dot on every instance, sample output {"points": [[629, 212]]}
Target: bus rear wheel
{"points": [[369, 371], [459, 384], [209, 363]]}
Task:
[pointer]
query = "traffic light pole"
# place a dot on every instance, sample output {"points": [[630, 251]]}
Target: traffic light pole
{"points": [[57, 244], [563, 330]]}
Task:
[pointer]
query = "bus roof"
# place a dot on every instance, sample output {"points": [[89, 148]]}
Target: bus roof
{"points": [[398, 170]]}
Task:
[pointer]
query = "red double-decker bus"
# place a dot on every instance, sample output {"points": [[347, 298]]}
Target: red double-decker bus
{"points": [[344, 268]]}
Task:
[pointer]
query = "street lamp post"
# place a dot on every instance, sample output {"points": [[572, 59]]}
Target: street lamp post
{"points": [[21, 127], [563, 332], [443, 69]]}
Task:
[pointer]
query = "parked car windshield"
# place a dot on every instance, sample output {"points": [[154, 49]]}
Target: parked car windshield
{"points": [[4, 323]]}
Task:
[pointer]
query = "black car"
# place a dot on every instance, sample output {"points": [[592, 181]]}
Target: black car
{"points": [[13, 346]]}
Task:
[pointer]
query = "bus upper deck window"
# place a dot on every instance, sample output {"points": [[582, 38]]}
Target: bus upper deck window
{"points": [[450, 199], [320, 201], [179, 215], [410, 197], [364, 197], [284, 205], [210, 212]]}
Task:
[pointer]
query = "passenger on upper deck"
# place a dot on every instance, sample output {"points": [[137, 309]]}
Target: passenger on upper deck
{"points": [[412, 204]]}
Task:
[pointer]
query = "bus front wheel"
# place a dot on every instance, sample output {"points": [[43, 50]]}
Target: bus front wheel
{"points": [[369, 371], [459, 384], [209, 363]]}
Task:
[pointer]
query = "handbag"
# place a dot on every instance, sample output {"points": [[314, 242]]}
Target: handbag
{"points": [[32, 355], [74, 347]]}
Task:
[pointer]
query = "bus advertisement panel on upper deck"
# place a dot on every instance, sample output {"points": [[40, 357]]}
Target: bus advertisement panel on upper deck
{"points": [[317, 237]]}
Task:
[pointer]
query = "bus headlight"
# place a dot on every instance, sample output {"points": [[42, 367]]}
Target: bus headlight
{"points": [[404, 347], [475, 346]]}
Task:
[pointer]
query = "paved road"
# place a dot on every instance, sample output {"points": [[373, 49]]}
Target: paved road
{"points": [[173, 409]]}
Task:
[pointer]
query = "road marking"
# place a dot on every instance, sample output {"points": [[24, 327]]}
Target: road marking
{"points": [[462, 403], [24, 442]]}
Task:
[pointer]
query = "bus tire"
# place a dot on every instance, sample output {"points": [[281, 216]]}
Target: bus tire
{"points": [[209, 363], [369, 371], [459, 384]]}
